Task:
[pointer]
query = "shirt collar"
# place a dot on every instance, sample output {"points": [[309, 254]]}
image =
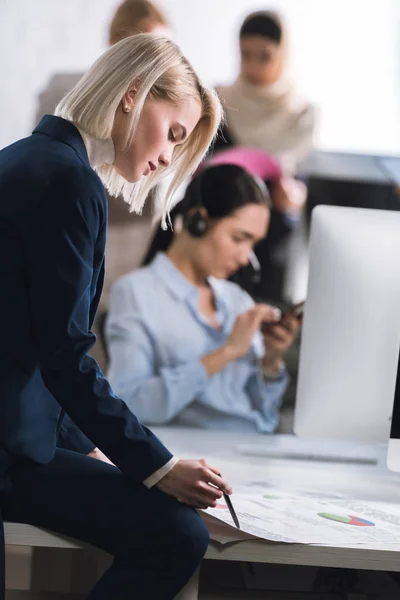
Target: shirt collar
{"points": [[179, 285], [172, 278], [100, 152]]}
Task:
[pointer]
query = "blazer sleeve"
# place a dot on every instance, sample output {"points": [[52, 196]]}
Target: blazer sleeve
{"points": [[70, 437], [60, 243]]}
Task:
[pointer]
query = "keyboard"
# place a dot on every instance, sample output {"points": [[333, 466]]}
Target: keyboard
{"points": [[291, 448]]}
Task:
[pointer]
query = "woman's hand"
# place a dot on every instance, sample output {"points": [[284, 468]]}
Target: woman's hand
{"points": [[246, 325], [195, 483], [278, 340], [239, 342], [289, 195]]}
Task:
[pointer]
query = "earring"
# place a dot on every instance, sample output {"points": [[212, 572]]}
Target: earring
{"points": [[127, 109]]}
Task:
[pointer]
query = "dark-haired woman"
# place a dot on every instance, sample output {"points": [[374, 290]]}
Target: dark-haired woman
{"points": [[185, 344]]}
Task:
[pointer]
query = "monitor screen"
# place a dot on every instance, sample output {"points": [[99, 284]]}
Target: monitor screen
{"points": [[351, 330]]}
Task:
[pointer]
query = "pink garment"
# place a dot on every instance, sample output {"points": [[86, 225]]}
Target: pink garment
{"points": [[254, 161]]}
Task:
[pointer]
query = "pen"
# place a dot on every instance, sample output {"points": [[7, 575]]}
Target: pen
{"points": [[230, 508]]}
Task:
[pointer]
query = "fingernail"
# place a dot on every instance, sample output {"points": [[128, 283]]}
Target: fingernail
{"points": [[277, 313]]}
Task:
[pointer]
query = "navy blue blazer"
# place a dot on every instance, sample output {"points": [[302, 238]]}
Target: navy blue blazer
{"points": [[53, 221]]}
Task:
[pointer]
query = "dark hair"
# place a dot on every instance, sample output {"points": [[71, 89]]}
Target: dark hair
{"points": [[266, 24], [221, 190]]}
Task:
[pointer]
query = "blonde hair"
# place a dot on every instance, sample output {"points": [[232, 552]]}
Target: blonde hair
{"points": [[163, 73], [131, 16]]}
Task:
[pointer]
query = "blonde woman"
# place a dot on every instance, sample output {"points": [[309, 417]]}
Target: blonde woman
{"points": [[138, 114], [127, 234]]}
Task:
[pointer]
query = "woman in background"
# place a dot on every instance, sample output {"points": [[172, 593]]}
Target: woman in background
{"points": [[138, 115], [185, 344], [131, 17], [263, 107]]}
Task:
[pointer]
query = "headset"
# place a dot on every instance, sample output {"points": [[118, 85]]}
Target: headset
{"points": [[196, 224]]}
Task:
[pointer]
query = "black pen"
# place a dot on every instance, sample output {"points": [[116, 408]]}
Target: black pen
{"points": [[230, 508]]}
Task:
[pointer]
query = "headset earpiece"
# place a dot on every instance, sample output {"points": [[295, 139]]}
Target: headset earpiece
{"points": [[196, 223]]}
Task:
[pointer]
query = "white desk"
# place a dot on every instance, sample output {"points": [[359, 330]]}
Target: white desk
{"points": [[362, 482]]}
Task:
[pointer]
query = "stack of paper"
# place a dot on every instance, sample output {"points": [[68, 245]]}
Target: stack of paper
{"points": [[305, 518]]}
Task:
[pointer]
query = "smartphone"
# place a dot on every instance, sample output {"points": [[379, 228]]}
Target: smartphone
{"points": [[296, 311]]}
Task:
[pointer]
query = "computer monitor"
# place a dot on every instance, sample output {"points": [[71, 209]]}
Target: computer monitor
{"points": [[393, 454], [351, 330]]}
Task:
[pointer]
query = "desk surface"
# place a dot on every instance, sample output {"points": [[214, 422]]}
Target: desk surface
{"points": [[359, 481], [366, 482]]}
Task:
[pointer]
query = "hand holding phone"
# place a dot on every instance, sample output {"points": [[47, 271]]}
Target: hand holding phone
{"points": [[296, 311], [279, 336]]}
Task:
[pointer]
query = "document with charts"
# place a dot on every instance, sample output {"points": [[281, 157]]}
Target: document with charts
{"points": [[305, 518]]}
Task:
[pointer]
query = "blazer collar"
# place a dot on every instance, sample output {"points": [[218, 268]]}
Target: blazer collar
{"points": [[65, 132]]}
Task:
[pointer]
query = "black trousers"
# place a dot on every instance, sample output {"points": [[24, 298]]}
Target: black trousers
{"points": [[156, 541]]}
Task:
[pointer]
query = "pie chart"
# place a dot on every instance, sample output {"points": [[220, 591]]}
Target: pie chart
{"points": [[347, 520]]}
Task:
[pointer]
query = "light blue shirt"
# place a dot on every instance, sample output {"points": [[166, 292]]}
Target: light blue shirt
{"points": [[157, 337]]}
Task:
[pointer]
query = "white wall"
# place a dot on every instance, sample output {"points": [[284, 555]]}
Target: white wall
{"points": [[346, 55]]}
